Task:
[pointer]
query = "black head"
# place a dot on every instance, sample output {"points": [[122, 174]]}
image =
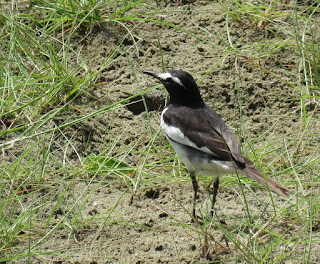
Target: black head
{"points": [[181, 86]]}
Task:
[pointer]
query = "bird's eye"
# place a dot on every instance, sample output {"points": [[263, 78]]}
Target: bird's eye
{"points": [[168, 81]]}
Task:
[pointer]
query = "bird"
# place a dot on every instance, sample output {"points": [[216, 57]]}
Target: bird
{"points": [[203, 141]]}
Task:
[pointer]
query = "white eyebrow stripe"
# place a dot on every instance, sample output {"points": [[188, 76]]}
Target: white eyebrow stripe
{"points": [[166, 75], [177, 80]]}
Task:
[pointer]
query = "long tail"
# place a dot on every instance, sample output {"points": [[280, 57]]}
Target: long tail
{"points": [[273, 185]]}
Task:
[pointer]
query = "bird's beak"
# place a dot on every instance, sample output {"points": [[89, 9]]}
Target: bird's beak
{"points": [[153, 74]]}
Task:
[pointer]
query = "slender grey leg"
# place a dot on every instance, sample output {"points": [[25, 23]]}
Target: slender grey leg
{"points": [[195, 191], [215, 192]]}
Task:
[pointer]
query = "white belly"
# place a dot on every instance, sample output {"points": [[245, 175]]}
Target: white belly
{"points": [[201, 162]]}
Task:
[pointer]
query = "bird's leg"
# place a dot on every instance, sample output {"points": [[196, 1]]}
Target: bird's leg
{"points": [[195, 191], [215, 192]]}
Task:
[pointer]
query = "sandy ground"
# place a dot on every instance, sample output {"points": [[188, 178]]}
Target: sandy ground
{"points": [[155, 228]]}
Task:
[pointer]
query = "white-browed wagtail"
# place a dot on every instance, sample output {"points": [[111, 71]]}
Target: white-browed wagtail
{"points": [[201, 139]]}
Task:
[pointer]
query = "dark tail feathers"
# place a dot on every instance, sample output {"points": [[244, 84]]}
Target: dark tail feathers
{"points": [[273, 185]]}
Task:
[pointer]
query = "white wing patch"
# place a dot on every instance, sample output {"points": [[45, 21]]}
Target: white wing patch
{"points": [[175, 134]]}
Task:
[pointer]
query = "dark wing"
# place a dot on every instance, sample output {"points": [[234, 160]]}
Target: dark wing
{"points": [[203, 129]]}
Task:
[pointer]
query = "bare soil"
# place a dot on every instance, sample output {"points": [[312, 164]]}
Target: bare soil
{"points": [[155, 227]]}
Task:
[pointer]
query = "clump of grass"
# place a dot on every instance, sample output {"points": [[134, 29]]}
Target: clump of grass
{"points": [[44, 73]]}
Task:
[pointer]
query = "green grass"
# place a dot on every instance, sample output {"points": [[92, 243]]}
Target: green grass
{"points": [[51, 89]]}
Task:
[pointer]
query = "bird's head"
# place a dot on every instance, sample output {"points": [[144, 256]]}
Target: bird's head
{"points": [[180, 85]]}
